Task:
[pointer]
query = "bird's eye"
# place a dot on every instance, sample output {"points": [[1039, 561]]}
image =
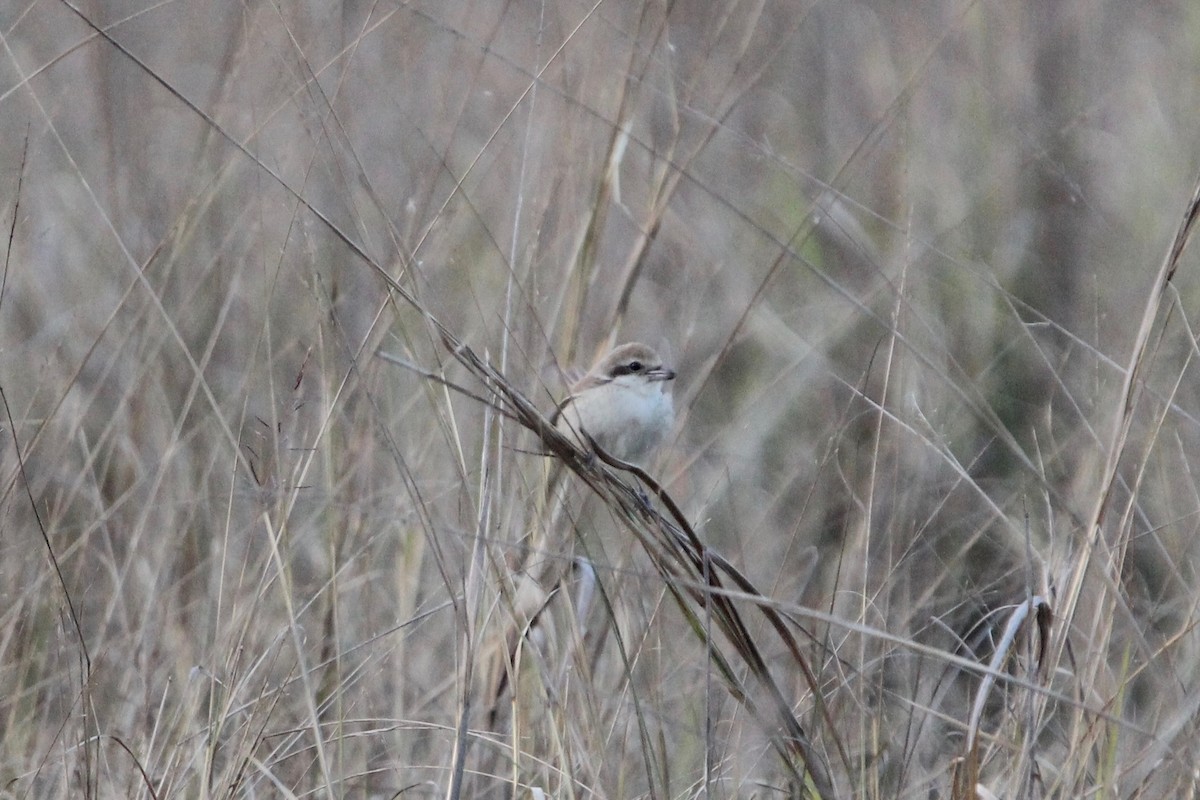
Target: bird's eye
{"points": [[628, 368]]}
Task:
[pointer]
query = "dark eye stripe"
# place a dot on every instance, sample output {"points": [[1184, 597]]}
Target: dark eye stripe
{"points": [[627, 369]]}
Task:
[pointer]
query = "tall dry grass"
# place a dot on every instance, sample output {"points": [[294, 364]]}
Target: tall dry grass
{"points": [[287, 284]]}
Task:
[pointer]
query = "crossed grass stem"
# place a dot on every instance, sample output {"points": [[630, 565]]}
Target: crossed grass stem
{"points": [[691, 571]]}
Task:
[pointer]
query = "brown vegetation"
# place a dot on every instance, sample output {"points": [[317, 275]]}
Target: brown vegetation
{"points": [[286, 286]]}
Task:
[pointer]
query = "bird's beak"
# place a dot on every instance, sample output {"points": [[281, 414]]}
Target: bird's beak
{"points": [[661, 374]]}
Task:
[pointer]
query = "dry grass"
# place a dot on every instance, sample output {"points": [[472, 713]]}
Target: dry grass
{"points": [[287, 284]]}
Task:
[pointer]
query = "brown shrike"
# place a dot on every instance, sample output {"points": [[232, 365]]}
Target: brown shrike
{"points": [[623, 404]]}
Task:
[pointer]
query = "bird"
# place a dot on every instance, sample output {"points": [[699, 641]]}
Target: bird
{"points": [[623, 404]]}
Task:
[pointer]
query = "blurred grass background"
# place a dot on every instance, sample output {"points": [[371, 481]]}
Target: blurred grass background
{"points": [[899, 254]]}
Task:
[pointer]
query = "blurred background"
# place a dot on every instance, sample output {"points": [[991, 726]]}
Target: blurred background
{"points": [[898, 253]]}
